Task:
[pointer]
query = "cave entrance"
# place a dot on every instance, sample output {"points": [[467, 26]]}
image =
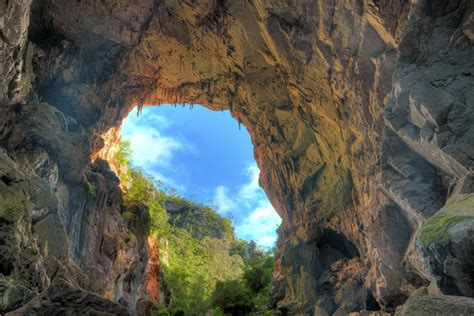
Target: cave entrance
{"points": [[206, 157], [192, 171]]}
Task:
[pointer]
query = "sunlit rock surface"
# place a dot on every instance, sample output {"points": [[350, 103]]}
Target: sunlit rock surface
{"points": [[361, 115]]}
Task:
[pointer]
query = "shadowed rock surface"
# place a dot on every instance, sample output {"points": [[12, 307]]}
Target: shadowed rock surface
{"points": [[361, 115], [63, 299]]}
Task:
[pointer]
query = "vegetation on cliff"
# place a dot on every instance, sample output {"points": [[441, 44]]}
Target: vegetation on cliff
{"points": [[206, 268]]}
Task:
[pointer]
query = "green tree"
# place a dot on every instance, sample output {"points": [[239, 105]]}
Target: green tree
{"points": [[123, 154], [239, 247], [258, 270], [257, 278], [202, 259], [194, 267], [233, 297]]}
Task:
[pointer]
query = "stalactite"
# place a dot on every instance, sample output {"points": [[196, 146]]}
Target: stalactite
{"points": [[139, 106]]}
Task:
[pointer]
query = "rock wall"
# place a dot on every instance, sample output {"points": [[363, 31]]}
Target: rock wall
{"points": [[360, 113], [63, 240]]}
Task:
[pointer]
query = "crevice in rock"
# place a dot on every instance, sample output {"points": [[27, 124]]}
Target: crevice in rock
{"points": [[338, 244], [6, 267], [6, 179], [41, 26], [6, 248], [371, 303]]}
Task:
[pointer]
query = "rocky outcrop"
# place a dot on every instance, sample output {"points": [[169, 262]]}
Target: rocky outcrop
{"points": [[430, 112], [445, 241], [360, 114], [429, 300], [61, 222], [62, 298], [199, 220], [436, 305]]}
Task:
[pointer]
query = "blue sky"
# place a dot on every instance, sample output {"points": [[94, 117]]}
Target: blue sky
{"points": [[206, 157]]}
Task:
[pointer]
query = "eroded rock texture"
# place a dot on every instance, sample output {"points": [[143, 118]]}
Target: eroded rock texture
{"points": [[361, 115]]}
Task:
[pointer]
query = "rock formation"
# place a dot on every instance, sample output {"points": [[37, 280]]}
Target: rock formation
{"points": [[199, 220], [361, 115]]}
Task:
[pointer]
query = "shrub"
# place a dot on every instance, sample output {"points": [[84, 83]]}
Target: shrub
{"points": [[128, 238], [233, 297], [91, 189], [128, 216], [257, 278], [239, 247], [124, 154]]}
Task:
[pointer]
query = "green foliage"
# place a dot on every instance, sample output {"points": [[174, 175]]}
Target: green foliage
{"points": [[91, 189], [128, 216], [218, 221], [202, 259], [161, 311], [200, 220], [128, 238], [233, 297], [262, 301], [239, 246], [257, 278], [124, 154], [436, 228], [458, 208], [250, 294], [185, 274], [143, 188], [193, 269]]}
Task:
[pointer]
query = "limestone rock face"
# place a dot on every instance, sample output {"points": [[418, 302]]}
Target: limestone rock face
{"points": [[360, 114], [447, 245], [62, 298], [431, 113], [437, 305], [14, 23]]}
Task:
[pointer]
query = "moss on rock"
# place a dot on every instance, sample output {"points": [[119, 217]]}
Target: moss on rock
{"points": [[458, 209], [14, 201], [436, 228], [13, 294]]}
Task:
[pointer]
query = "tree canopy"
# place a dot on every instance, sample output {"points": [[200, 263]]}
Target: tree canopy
{"points": [[206, 267]]}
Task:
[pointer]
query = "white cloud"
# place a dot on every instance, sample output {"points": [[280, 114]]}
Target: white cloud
{"points": [[152, 150], [157, 120], [222, 201], [252, 189], [268, 241], [261, 220], [261, 224], [149, 146]]}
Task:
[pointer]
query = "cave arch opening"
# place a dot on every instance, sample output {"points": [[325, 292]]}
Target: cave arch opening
{"points": [[210, 225], [205, 156]]}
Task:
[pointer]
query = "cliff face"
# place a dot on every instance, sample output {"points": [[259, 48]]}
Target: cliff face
{"points": [[199, 220], [360, 114]]}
